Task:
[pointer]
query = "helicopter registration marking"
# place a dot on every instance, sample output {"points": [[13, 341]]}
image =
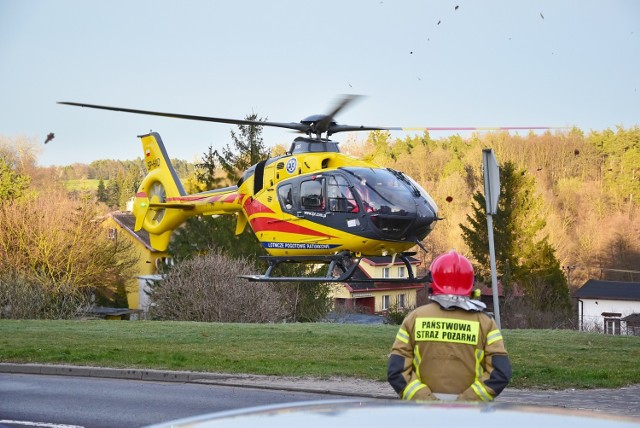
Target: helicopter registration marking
{"points": [[354, 222], [153, 163], [292, 164]]}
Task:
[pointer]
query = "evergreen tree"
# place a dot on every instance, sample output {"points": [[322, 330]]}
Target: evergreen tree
{"points": [[528, 259], [12, 184], [101, 192], [113, 193], [205, 172], [248, 149]]}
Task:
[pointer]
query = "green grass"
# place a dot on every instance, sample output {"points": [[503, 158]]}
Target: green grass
{"points": [[552, 359], [86, 184]]}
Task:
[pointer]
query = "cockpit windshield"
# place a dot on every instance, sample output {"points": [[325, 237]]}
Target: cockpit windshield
{"points": [[382, 192]]}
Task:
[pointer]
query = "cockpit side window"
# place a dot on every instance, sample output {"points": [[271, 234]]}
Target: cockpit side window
{"points": [[312, 194], [285, 196], [339, 195]]}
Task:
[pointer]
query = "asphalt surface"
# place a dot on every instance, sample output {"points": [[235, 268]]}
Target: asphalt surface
{"points": [[622, 401]]}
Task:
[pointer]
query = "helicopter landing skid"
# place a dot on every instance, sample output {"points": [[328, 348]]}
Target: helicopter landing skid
{"points": [[341, 267]]}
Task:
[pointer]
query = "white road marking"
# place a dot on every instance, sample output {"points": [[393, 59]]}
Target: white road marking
{"points": [[38, 424]]}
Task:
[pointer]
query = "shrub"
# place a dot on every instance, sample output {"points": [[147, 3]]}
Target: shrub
{"points": [[395, 314], [24, 299], [207, 288]]}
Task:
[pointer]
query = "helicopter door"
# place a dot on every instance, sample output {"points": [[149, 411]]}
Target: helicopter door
{"points": [[312, 195], [339, 195]]}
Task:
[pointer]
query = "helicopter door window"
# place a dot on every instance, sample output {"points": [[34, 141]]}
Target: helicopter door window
{"points": [[339, 195], [285, 196], [312, 194]]}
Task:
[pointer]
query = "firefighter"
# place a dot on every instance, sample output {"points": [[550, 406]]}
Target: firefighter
{"points": [[449, 349]]}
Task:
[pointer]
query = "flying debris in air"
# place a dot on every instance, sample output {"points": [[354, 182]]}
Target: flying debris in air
{"points": [[50, 137], [456, 8], [541, 15], [439, 22]]}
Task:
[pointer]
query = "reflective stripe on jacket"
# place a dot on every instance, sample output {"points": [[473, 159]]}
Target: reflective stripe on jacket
{"points": [[449, 351]]}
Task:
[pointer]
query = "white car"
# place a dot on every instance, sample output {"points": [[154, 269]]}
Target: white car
{"points": [[392, 413]]}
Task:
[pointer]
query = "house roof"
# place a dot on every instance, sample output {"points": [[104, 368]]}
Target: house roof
{"points": [[632, 319], [385, 260], [609, 290], [487, 290], [360, 287], [363, 287], [127, 222]]}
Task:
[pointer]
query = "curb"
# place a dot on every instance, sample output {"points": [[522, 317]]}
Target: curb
{"points": [[220, 379]]}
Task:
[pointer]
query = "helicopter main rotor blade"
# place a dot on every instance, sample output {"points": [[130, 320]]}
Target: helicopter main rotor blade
{"points": [[317, 124], [292, 125], [325, 124], [346, 128]]}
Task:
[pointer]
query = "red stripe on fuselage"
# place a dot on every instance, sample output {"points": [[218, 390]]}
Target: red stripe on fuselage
{"points": [[268, 224], [252, 206]]}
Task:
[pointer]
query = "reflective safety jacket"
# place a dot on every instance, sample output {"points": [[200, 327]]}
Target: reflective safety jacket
{"points": [[448, 351]]}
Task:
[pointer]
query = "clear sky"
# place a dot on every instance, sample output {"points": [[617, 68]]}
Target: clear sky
{"points": [[418, 62]]}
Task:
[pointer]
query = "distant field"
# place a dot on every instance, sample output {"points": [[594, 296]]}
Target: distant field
{"points": [[552, 359], [88, 184]]}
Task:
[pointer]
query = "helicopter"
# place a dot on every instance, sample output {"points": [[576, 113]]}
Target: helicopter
{"points": [[312, 204]]}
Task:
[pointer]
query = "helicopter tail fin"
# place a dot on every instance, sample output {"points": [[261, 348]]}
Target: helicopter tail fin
{"points": [[158, 206]]}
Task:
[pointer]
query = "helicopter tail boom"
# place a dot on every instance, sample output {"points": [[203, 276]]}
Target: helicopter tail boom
{"points": [[161, 203], [153, 207]]}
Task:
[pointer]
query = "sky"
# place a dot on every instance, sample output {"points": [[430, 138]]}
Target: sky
{"points": [[417, 63]]}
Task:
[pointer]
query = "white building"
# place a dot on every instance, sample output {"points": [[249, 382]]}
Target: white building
{"points": [[604, 305]]}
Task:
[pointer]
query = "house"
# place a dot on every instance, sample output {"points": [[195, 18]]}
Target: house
{"points": [[486, 294], [120, 225], [633, 324], [378, 297], [612, 307]]}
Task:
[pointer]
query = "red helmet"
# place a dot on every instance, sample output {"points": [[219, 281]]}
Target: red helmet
{"points": [[451, 273]]}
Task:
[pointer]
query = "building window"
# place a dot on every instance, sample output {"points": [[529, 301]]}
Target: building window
{"points": [[401, 270], [385, 302], [611, 322], [385, 272], [162, 263], [612, 325], [112, 234], [401, 301]]}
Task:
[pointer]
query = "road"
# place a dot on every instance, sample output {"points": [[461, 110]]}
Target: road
{"points": [[113, 403]]}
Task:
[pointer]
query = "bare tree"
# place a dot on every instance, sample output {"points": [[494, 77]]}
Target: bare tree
{"points": [[50, 239]]}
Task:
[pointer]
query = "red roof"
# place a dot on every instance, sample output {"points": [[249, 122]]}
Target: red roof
{"points": [[487, 290]]}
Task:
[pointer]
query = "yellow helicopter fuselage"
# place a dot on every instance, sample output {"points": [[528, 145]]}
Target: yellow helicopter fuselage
{"points": [[312, 201]]}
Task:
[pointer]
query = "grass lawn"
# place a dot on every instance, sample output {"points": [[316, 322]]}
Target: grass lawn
{"points": [[86, 184], [553, 359]]}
